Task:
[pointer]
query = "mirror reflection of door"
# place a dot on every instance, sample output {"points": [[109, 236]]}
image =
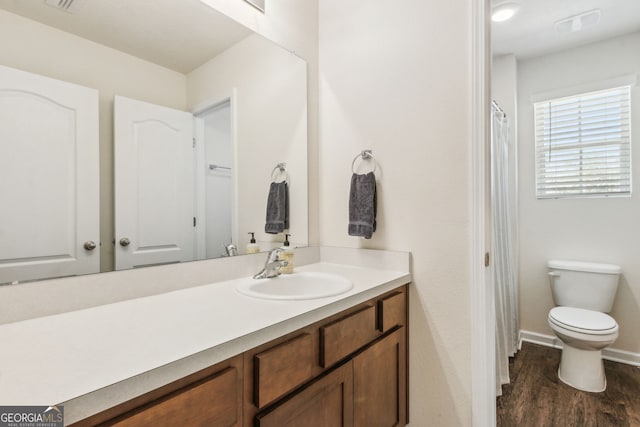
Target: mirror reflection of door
{"points": [[215, 180], [49, 186], [154, 186], [174, 189]]}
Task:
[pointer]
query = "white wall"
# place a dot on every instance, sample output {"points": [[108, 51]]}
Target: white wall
{"points": [[591, 229], [37, 48], [395, 78], [270, 128]]}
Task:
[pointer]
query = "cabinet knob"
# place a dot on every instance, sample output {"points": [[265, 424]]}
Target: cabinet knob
{"points": [[90, 245], [125, 241]]}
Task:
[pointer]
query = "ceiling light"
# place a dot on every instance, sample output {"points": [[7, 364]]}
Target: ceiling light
{"points": [[578, 22], [504, 11]]}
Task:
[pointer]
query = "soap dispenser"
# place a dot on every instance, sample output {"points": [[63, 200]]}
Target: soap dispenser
{"points": [[287, 255], [252, 246]]}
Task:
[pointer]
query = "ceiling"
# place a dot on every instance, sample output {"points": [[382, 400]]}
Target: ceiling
{"points": [[177, 34], [531, 31], [183, 34]]}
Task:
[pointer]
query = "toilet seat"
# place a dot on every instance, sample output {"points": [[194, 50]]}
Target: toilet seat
{"points": [[583, 321]]}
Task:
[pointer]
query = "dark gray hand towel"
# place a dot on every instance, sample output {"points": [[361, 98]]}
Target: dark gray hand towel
{"points": [[362, 205], [277, 208]]}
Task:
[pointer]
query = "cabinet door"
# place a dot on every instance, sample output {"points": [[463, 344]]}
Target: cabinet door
{"points": [[379, 383], [211, 402], [327, 402]]}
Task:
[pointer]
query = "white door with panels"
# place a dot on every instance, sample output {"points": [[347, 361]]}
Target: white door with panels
{"points": [[49, 186], [154, 184]]}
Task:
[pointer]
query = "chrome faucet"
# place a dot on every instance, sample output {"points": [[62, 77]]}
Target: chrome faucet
{"points": [[272, 265], [231, 250]]}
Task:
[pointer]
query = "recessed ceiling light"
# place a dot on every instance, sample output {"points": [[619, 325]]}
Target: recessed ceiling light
{"points": [[504, 11]]}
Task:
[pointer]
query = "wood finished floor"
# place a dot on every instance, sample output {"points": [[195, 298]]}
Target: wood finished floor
{"points": [[536, 397]]}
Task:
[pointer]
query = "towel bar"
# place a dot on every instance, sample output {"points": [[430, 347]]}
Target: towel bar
{"points": [[282, 169], [214, 167], [365, 155]]}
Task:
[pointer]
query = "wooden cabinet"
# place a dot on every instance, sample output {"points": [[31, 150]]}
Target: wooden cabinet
{"points": [[211, 397], [361, 352], [282, 368], [368, 390], [392, 311], [349, 369], [379, 386], [342, 337], [210, 402], [325, 402]]}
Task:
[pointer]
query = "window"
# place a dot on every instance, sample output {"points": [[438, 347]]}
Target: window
{"points": [[583, 145]]}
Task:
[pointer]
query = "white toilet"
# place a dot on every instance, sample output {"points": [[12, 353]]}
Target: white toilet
{"points": [[584, 292]]}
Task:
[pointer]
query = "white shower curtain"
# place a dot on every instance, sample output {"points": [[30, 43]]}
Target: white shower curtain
{"points": [[504, 267]]}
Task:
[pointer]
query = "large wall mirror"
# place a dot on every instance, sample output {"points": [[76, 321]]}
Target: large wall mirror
{"points": [[140, 133]]}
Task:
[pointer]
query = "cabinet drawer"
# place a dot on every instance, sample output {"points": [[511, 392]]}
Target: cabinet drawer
{"points": [[282, 368], [210, 402], [346, 335], [391, 311]]}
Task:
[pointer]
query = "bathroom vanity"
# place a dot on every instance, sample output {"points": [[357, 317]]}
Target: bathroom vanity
{"points": [[348, 369], [210, 355]]}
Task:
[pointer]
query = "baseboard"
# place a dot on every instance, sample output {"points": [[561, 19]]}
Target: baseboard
{"points": [[613, 354], [540, 339]]}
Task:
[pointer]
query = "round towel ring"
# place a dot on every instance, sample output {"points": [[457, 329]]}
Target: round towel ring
{"points": [[364, 155], [281, 168]]}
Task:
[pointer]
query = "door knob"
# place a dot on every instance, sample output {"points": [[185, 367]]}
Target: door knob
{"points": [[124, 241], [90, 245]]}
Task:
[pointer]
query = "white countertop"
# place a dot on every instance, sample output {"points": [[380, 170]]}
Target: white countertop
{"points": [[61, 358]]}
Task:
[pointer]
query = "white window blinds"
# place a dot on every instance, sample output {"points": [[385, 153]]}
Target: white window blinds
{"points": [[583, 145]]}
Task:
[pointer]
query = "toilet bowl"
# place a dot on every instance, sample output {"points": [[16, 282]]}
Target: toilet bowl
{"points": [[584, 334], [584, 292]]}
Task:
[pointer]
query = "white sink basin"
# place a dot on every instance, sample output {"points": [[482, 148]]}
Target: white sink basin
{"points": [[296, 286]]}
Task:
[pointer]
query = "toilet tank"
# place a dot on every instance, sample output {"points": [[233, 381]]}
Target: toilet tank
{"points": [[587, 285]]}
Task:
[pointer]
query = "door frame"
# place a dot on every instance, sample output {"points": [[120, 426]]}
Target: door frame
{"points": [[199, 162], [483, 358]]}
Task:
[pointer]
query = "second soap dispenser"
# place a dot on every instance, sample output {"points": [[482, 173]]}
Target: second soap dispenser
{"points": [[287, 255], [252, 246]]}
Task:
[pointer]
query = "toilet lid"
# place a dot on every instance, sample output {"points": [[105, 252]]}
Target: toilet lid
{"points": [[581, 320]]}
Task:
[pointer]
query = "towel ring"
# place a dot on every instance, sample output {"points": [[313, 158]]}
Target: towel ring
{"points": [[281, 168], [364, 155]]}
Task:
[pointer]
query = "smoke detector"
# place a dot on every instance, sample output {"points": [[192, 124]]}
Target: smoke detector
{"points": [[579, 22], [70, 6]]}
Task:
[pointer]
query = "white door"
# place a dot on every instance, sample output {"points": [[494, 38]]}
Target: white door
{"points": [[154, 184], [49, 178]]}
